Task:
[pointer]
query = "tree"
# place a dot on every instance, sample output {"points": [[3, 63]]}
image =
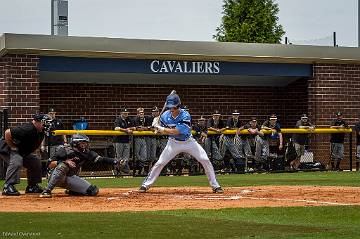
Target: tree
{"points": [[250, 21]]}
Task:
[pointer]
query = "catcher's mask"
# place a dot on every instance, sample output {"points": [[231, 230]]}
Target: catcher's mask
{"points": [[46, 121], [80, 142]]}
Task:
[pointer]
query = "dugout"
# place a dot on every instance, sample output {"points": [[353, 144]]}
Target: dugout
{"points": [[94, 77]]}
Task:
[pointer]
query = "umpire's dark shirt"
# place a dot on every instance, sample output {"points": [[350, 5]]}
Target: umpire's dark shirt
{"points": [[26, 138], [124, 124], [338, 138]]}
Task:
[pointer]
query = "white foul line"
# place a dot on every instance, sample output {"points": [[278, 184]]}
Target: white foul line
{"points": [[236, 197]]}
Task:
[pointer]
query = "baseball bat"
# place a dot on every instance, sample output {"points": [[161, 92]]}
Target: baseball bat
{"points": [[164, 107]]}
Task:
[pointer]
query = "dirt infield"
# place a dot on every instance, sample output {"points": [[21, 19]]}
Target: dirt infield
{"points": [[158, 198]]}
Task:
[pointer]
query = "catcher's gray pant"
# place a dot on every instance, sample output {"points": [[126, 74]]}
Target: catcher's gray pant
{"points": [[16, 162], [357, 160], [261, 149], [74, 183], [173, 148], [140, 151], [151, 146], [337, 152], [53, 149]]}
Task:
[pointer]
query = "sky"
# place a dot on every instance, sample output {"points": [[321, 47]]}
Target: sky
{"points": [[304, 21]]}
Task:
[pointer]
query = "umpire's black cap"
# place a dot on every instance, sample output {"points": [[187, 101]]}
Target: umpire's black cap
{"points": [[41, 117]]}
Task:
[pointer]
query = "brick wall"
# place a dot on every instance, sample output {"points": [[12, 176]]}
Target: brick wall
{"points": [[2, 82], [100, 103], [334, 87], [19, 81]]}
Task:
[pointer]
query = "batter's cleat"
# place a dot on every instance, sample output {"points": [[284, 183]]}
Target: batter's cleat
{"points": [[143, 189], [45, 194], [218, 190], [34, 189], [10, 190]]}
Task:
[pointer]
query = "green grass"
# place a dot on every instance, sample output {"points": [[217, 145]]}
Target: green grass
{"points": [[294, 222], [290, 222], [301, 178]]}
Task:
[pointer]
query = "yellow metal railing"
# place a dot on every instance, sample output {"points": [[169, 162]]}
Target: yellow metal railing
{"points": [[151, 133]]}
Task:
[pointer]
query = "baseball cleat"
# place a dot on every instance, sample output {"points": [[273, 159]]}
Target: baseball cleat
{"points": [[46, 194], [143, 189], [218, 190], [10, 190], [34, 189]]}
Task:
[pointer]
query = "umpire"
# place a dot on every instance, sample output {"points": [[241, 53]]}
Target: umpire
{"points": [[17, 148]]}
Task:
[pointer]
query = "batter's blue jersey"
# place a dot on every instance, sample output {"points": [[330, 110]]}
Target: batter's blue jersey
{"points": [[182, 123]]}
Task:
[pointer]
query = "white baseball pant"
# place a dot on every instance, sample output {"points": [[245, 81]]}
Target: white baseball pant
{"points": [[173, 148]]}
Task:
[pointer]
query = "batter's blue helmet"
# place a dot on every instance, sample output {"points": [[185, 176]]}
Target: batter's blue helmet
{"points": [[173, 100]]}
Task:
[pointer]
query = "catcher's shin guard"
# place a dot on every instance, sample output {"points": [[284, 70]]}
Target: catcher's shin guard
{"points": [[57, 176], [92, 190]]}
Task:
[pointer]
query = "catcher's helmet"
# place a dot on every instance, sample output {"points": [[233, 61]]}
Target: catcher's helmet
{"points": [[173, 100], [77, 138]]}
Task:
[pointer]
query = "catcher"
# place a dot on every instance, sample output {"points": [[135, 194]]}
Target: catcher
{"points": [[65, 166]]}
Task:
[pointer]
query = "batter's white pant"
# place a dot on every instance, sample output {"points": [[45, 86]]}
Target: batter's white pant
{"points": [[173, 148]]}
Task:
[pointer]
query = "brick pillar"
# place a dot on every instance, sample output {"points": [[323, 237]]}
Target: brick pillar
{"points": [[19, 87], [334, 87]]}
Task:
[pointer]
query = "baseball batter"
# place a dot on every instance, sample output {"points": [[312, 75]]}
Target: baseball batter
{"points": [[176, 123]]}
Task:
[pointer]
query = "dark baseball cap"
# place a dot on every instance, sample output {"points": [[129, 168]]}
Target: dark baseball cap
{"points": [[216, 112], [304, 116], [273, 117], [52, 110], [338, 113], [202, 118], [235, 112], [155, 109], [124, 110]]}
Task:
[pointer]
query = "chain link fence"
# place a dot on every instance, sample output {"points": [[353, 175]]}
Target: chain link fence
{"points": [[315, 157]]}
